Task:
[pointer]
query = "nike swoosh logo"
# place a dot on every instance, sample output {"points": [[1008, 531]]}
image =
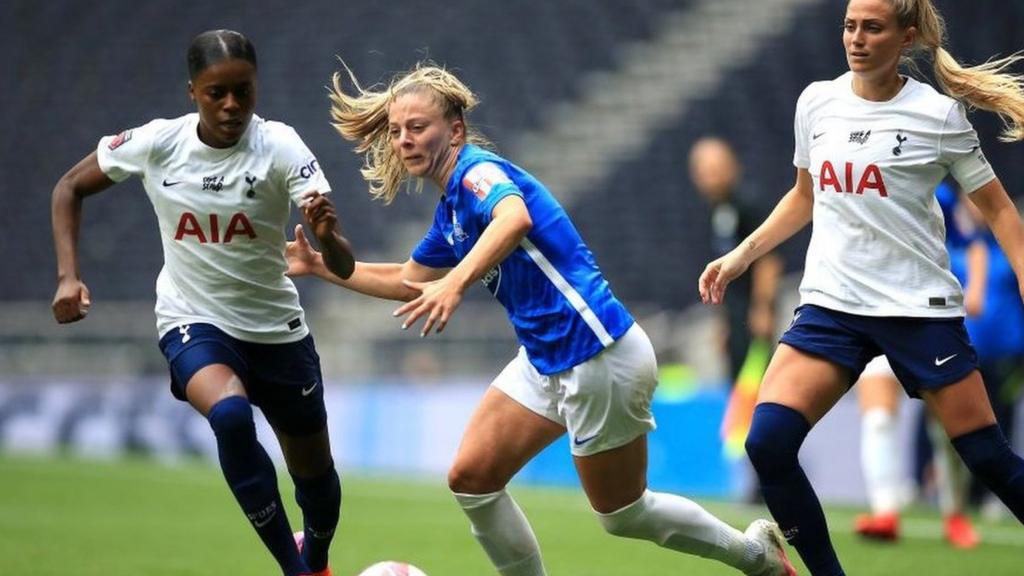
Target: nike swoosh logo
{"points": [[169, 183], [581, 441], [308, 391], [816, 136], [944, 360]]}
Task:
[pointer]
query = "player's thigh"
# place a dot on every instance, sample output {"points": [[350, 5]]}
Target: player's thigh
{"points": [[211, 384], [961, 407], [205, 365], [804, 382], [501, 437], [615, 478]]}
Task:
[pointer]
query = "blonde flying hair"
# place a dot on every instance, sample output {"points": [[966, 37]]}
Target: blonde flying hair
{"points": [[987, 86], [363, 117]]}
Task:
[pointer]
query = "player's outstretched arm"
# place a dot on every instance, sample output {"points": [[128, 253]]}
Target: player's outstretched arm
{"points": [[790, 215], [381, 280], [71, 302]]}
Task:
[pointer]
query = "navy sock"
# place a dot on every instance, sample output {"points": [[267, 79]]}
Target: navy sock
{"points": [[989, 456], [775, 437], [320, 501], [250, 475]]}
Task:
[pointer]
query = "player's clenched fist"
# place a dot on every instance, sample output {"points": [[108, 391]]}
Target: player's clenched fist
{"points": [[71, 302]]}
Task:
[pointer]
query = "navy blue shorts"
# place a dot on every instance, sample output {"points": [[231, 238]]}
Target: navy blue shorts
{"points": [[925, 353], [283, 380]]}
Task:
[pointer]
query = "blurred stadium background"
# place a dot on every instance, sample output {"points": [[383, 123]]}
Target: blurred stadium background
{"points": [[599, 98]]}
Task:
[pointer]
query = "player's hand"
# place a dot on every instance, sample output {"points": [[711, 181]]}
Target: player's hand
{"points": [[302, 259], [437, 302], [71, 302], [319, 212], [718, 274]]}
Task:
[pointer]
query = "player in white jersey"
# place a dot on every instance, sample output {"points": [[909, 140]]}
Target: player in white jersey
{"points": [[221, 182], [871, 146], [584, 366]]}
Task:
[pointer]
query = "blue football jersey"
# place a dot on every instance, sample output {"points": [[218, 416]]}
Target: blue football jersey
{"points": [[560, 305], [998, 331]]}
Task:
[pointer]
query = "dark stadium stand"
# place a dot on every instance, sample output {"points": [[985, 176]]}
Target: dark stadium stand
{"points": [[649, 227], [83, 70]]}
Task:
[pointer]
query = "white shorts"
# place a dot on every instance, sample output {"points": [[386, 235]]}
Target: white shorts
{"points": [[878, 366], [604, 402]]}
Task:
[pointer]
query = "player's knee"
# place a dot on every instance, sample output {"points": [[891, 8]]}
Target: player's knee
{"points": [[473, 479], [232, 418], [775, 436], [627, 522], [615, 525], [759, 449]]}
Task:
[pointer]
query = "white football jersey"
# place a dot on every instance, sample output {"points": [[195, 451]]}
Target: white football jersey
{"points": [[878, 241], [222, 215]]}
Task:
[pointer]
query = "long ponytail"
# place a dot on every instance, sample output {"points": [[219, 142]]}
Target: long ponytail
{"points": [[988, 86]]}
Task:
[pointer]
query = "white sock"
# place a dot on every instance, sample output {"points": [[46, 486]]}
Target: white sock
{"points": [[503, 531], [880, 461], [679, 524], [951, 474]]}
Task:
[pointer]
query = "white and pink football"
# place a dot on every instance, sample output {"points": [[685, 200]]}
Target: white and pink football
{"points": [[389, 568]]}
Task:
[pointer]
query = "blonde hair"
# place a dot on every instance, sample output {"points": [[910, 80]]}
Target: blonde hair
{"points": [[987, 86], [363, 117]]}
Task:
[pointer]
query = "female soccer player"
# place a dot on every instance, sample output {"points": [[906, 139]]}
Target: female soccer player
{"points": [[584, 366], [229, 319], [871, 146]]}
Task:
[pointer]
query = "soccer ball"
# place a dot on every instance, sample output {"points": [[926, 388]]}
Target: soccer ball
{"points": [[389, 568]]}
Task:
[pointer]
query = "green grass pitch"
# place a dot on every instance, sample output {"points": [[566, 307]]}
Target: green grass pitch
{"points": [[139, 517]]}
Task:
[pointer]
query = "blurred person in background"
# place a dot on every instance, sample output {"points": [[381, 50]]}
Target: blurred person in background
{"points": [[750, 309], [584, 365], [230, 324], [747, 331], [888, 484], [871, 146]]}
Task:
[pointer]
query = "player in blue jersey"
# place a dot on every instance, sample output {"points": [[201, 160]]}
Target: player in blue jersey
{"points": [[871, 146], [584, 365], [230, 324]]}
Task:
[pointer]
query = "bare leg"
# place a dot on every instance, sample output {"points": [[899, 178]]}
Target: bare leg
{"points": [[502, 435]]}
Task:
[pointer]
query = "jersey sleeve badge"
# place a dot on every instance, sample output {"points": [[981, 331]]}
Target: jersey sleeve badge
{"points": [[120, 139], [481, 178]]}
